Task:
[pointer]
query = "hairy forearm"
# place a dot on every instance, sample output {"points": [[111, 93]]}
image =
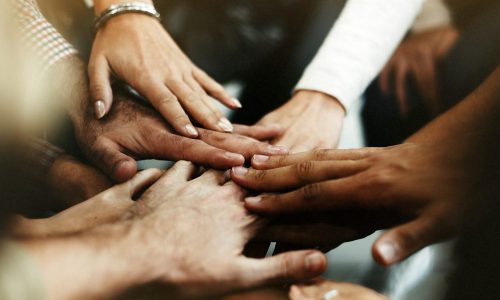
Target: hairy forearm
{"points": [[99, 264]]}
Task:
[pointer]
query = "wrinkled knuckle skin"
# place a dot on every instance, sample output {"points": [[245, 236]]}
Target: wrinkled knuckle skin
{"points": [[97, 90], [282, 160], [168, 100], [310, 191], [304, 169], [321, 154], [192, 98]]}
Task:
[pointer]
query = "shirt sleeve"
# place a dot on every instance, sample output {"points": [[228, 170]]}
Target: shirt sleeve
{"points": [[39, 35], [358, 46], [434, 14]]}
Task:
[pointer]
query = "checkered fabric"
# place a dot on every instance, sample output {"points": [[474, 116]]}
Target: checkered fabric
{"points": [[39, 35]]}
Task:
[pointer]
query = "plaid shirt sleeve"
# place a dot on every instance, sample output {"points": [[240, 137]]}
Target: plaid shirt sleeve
{"points": [[39, 35]]}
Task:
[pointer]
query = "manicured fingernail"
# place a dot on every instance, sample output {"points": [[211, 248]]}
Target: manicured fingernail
{"points": [[240, 171], [225, 125], [278, 149], [260, 158], [191, 130], [253, 200], [237, 102], [314, 262], [99, 109], [235, 156], [388, 251]]}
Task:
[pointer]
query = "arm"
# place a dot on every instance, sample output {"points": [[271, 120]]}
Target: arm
{"points": [[353, 53], [184, 236], [139, 51], [429, 189]]}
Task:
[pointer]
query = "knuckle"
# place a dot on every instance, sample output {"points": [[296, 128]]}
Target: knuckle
{"points": [[260, 175], [97, 89], [304, 169], [321, 154], [192, 98], [310, 191], [168, 100]]}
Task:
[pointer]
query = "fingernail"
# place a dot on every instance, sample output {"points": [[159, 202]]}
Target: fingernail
{"points": [[235, 156], [278, 149], [237, 102], [99, 108], [253, 200], [240, 171], [191, 130], [260, 158], [314, 262], [225, 125], [388, 252]]}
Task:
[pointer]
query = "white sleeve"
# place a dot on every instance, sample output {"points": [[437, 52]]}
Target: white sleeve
{"points": [[358, 46]]}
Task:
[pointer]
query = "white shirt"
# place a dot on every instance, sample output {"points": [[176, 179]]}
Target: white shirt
{"points": [[358, 46]]}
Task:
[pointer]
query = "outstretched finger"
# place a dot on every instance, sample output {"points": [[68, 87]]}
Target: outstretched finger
{"points": [[169, 107], [284, 268], [297, 175], [216, 90], [401, 82], [141, 181], [260, 132], [262, 162], [101, 92], [180, 172]]}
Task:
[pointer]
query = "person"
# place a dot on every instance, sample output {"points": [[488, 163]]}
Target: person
{"points": [[441, 181], [108, 144], [171, 82]]}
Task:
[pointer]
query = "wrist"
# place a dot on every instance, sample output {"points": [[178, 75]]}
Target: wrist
{"points": [[322, 99]]}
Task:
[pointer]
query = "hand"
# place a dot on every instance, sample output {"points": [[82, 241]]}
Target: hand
{"points": [[419, 58], [71, 182], [137, 49], [431, 190], [312, 120], [329, 290], [133, 131], [106, 207], [193, 233]]}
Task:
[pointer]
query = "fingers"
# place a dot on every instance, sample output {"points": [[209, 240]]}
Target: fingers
{"points": [[297, 175], [385, 76], [194, 101], [180, 172], [141, 181], [175, 147], [314, 197], [100, 87], [169, 107], [212, 177], [265, 162], [216, 90], [109, 157], [239, 144], [291, 266], [260, 132], [399, 243], [401, 80]]}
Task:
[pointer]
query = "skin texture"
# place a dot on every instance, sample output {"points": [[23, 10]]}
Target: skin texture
{"points": [[429, 189], [419, 58], [345, 291], [312, 120], [184, 235], [136, 48], [133, 131]]}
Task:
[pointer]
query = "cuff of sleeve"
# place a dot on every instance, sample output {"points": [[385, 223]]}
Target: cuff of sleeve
{"points": [[434, 14], [316, 81]]}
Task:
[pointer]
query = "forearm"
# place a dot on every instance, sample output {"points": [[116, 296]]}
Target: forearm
{"points": [[478, 114], [99, 264]]}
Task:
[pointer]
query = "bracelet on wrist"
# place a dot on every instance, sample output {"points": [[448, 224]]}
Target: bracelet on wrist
{"points": [[123, 8]]}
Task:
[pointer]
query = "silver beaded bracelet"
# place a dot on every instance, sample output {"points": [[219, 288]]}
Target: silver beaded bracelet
{"points": [[123, 8]]}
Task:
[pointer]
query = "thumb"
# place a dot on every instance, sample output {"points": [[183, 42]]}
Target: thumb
{"points": [[399, 243], [291, 266], [109, 157], [100, 87], [141, 181]]}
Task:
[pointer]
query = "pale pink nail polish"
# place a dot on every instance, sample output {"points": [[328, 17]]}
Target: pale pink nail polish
{"points": [[240, 171]]}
